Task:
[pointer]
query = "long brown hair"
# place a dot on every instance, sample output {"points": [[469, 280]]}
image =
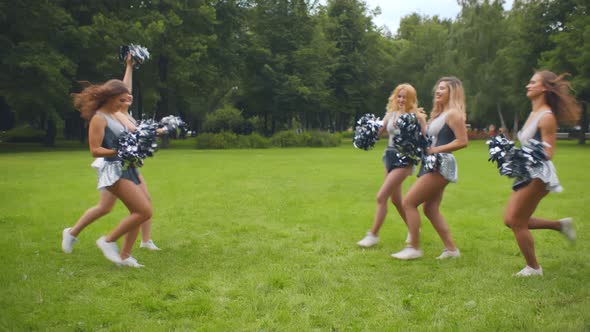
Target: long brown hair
{"points": [[93, 97], [456, 96], [558, 96]]}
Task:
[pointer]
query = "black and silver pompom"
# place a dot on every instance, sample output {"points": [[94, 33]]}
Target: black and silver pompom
{"points": [[366, 132], [139, 54]]}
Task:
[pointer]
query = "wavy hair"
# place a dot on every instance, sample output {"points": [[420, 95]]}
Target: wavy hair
{"points": [[558, 96], [94, 96], [456, 96], [411, 105]]}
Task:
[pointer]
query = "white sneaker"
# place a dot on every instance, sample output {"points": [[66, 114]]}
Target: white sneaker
{"points": [[529, 272], [130, 261], [67, 241], [109, 250], [150, 245], [368, 241], [408, 253], [449, 254], [568, 229]]}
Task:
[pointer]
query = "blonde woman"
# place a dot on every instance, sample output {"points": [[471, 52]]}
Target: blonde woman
{"points": [[402, 100], [449, 132], [551, 102]]}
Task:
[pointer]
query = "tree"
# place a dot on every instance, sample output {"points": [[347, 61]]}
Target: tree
{"points": [[571, 53]]}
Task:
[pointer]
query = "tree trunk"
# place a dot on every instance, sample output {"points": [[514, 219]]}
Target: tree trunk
{"points": [[138, 97], [583, 123], [162, 108], [515, 128], [502, 122], [50, 133]]}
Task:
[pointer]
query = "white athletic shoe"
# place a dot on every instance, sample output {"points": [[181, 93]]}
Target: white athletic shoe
{"points": [[449, 254], [408, 253], [130, 261], [109, 250], [150, 245], [529, 272], [568, 229], [67, 241], [368, 241]]}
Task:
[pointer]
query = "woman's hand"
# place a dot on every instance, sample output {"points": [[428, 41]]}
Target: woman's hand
{"points": [[129, 60]]}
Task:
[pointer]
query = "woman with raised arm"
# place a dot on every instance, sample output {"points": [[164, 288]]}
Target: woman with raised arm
{"points": [[98, 104], [107, 200], [551, 102], [449, 132], [402, 100]]}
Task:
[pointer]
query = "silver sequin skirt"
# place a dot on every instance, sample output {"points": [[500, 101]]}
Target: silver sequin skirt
{"points": [[448, 167], [108, 172], [545, 173]]}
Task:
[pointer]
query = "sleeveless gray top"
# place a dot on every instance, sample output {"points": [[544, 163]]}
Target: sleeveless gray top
{"points": [[440, 131], [532, 129], [132, 119], [112, 132], [391, 127]]}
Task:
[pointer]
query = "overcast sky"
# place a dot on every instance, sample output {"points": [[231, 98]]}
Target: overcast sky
{"points": [[393, 10]]}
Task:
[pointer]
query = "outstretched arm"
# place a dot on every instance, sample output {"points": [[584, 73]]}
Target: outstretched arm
{"points": [[128, 78]]}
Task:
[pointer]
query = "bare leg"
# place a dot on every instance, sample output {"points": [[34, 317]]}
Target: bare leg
{"points": [[146, 227], [521, 206], [139, 208], [128, 242], [391, 187], [432, 212], [538, 223], [104, 206], [426, 188]]}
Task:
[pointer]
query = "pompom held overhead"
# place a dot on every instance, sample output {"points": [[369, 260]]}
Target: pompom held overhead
{"points": [[139, 54]]}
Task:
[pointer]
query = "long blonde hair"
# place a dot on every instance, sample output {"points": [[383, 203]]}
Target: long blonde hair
{"points": [[456, 97], [558, 96], [411, 105]]}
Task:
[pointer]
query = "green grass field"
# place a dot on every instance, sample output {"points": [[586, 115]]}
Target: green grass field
{"points": [[264, 240]]}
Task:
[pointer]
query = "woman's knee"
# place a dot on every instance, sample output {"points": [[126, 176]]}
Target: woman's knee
{"points": [[509, 220], [408, 204], [145, 212], [104, 209], [381, 198]]}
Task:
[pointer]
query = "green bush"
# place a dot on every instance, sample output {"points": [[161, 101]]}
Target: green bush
{"points": [[23, 135], [347, 134], [227, 119], [253, 141], [284, 139], [222, 140], [314, 138], [228, 140]]}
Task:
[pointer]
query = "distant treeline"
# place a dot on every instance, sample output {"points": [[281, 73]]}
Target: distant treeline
{"points": [[280, 64]]}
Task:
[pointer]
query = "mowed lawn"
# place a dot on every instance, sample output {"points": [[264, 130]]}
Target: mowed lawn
{"points": [[265, 240]]}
